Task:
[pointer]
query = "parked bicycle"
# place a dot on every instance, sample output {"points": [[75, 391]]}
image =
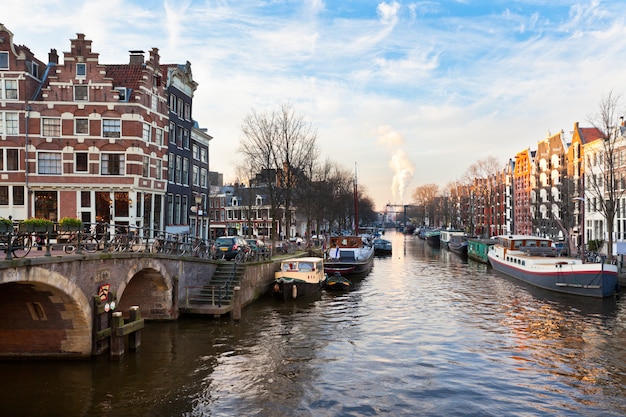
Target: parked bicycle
{"points": [[20, 244], [86, 241], [125, 240]]}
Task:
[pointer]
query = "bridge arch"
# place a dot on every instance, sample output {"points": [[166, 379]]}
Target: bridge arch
{"points": [[149, 286], [42, 313]]}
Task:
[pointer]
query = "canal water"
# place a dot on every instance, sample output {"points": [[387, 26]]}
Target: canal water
{"points": [[425, 334]]}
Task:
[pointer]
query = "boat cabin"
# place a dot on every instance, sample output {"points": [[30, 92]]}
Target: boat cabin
{"points": [[529, 245], [346, 241]]}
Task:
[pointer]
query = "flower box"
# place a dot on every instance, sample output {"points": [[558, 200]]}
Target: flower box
{"points": [[6, 225], [36, 226], [68, 224]]}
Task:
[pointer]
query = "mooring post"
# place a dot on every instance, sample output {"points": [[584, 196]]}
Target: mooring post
{"points": [[236, 314], [134, 338], [117, 342]]}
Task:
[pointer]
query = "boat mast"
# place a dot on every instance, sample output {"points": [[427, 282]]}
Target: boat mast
{"points": [[356, 204]]}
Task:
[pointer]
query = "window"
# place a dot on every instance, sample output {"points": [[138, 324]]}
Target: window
{"points": [[4, 60], [18, 195], [186, 171], [203, 153], [185, 210], [4, 195], [187, 111], [81, 126], [10, 89], [8, 123], [179, 168], [155, 103], [196, 152], [49, 163], [112, 164], [186, 138], [203, 178], [159, 169], [34, 69], [122, 93], [179, 136], [172, 103], [51, 126], [81, 70], [81, 162], [146, 167], [111, 128], [196, 175], [146, 132], [171, 167], [12, 162], [81, 93], [159, 137], [173, 132]]}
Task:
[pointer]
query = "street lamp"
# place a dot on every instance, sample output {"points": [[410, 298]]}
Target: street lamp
{"points": [[582, 227], [198, 212]]}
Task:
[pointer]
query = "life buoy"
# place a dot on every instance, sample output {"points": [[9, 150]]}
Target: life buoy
{"points": [[294, 291]]}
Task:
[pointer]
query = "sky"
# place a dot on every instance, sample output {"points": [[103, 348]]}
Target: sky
{"points": [[403, 93]]}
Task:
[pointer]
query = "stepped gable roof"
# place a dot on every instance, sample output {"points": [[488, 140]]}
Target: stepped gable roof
{"points": [[125, 75]]}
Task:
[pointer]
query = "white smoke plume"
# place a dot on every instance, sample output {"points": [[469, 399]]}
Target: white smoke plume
{"points": [[400, 163]]}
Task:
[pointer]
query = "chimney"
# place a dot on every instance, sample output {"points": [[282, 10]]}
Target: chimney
{"points": [[136, 57], [53, 57]]}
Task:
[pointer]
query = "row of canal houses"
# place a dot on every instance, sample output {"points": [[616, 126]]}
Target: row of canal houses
{"points": [[111, 142], [543, 192]]}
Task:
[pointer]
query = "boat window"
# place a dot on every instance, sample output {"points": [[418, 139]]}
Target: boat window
{"points": [[523, 262], [288, 266], [305, 266], [531, 243], [517, 244]]}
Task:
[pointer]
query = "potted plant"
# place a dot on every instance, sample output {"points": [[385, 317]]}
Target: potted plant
{"points": [[70, 224], [36, 225], [6, 225]]}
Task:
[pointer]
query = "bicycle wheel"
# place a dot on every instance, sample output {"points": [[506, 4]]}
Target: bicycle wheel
{"points": [[135, 244], [90, 243], [21, 245], [71, 245]]}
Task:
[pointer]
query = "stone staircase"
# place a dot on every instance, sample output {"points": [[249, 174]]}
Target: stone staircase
{"points": [[216, 297]]}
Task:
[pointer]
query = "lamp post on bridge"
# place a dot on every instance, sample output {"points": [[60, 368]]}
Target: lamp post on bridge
{"points": [[581, 226]]}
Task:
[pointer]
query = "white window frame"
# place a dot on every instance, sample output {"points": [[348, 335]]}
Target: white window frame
{"points": [[9, 123], [111, 128], [105, 161], [82, 72], [146, 132], [4, 60], [4, 89], [51, 127], [76, 132], [81, 87], [49, 163], [76, 161]]}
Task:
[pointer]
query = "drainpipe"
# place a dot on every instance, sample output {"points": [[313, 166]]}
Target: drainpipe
{"points": [[26, 183]]}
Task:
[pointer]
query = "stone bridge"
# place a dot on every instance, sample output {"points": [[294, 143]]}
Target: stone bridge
{"points": [[46, 303]]}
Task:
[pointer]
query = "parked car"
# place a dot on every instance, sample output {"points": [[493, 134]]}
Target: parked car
{"points": [[227, 247]]}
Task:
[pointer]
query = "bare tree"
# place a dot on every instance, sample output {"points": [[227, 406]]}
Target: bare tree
{"points": [[605, 187], [426, 196], [282, 147]]}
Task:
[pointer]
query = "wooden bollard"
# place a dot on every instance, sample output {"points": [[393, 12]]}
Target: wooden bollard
{"points": [[236, 313], [117, 342], [134, 338]]}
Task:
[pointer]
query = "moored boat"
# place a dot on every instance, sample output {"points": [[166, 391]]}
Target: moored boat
{"points": [[337, 282], [458, 244], [477, 249], [298, 277], [349, 255], [382, 247], [445, 236], [533, 260], [433, 237]]}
